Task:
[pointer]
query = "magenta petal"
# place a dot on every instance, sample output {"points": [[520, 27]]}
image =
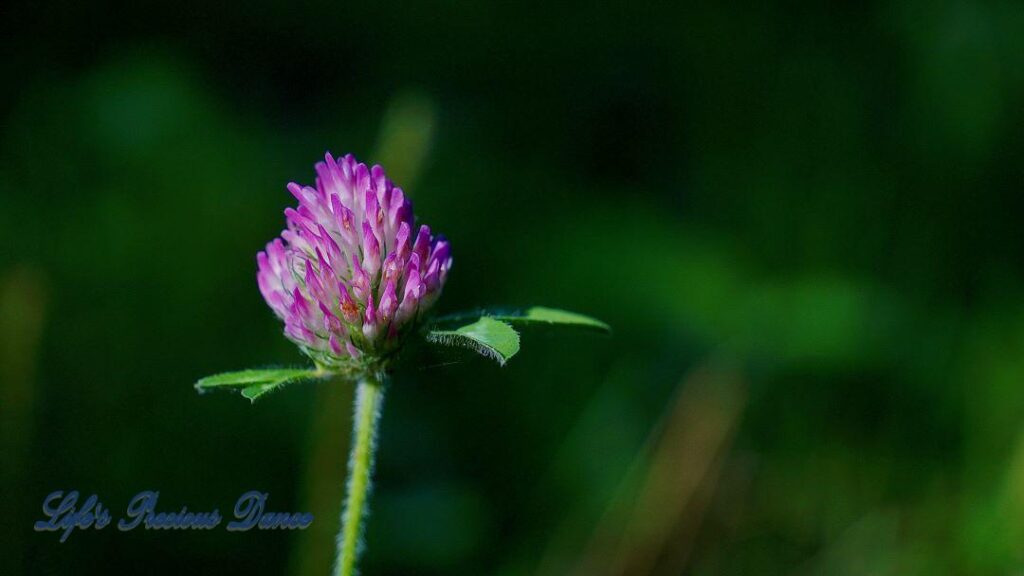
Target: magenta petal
{"points": [[388, 301], [370, 328], [327, 273], [349, 309], [316, 290], [333, 250], [396, 203], [441, 252], [331, 322], [378, 177], [276, 254], [391, 269], [336, 346], [346, 223], [370, 315], [422, 244], [297, 191], [360, 280], [352, 350], [300, 333], [413, 264], [402, 247], [372, 209], [300, 306], [371, 251], [413, 285], [432, 278]]}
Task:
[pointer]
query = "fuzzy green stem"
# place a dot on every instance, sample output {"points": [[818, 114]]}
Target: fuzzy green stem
{"points": [[369, 396]]}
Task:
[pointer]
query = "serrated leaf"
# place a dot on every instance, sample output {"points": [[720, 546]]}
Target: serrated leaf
{"points": [[256, 383], [487, 336], [555, 317]]}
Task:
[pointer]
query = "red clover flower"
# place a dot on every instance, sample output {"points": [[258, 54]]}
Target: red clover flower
{"points": [[351, 276]]}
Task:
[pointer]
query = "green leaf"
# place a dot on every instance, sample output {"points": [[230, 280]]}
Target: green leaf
{"points": [[533, 316], [487, 336], [256, 383], [555, 317], [254, 392]]}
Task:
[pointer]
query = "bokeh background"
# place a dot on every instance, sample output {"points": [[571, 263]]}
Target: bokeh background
{"points": [[802, 221]]}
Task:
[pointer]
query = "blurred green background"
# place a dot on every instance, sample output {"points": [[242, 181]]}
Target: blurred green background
{"points": [[802, 221]]}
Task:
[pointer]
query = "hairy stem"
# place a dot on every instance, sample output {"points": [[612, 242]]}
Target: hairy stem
{"points": [[369, 396]]}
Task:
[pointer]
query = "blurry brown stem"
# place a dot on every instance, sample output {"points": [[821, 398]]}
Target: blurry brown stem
{"points": [[634, 533]]}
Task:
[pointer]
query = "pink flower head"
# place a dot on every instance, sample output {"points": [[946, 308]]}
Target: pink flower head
{"points": [[351, 275]]}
